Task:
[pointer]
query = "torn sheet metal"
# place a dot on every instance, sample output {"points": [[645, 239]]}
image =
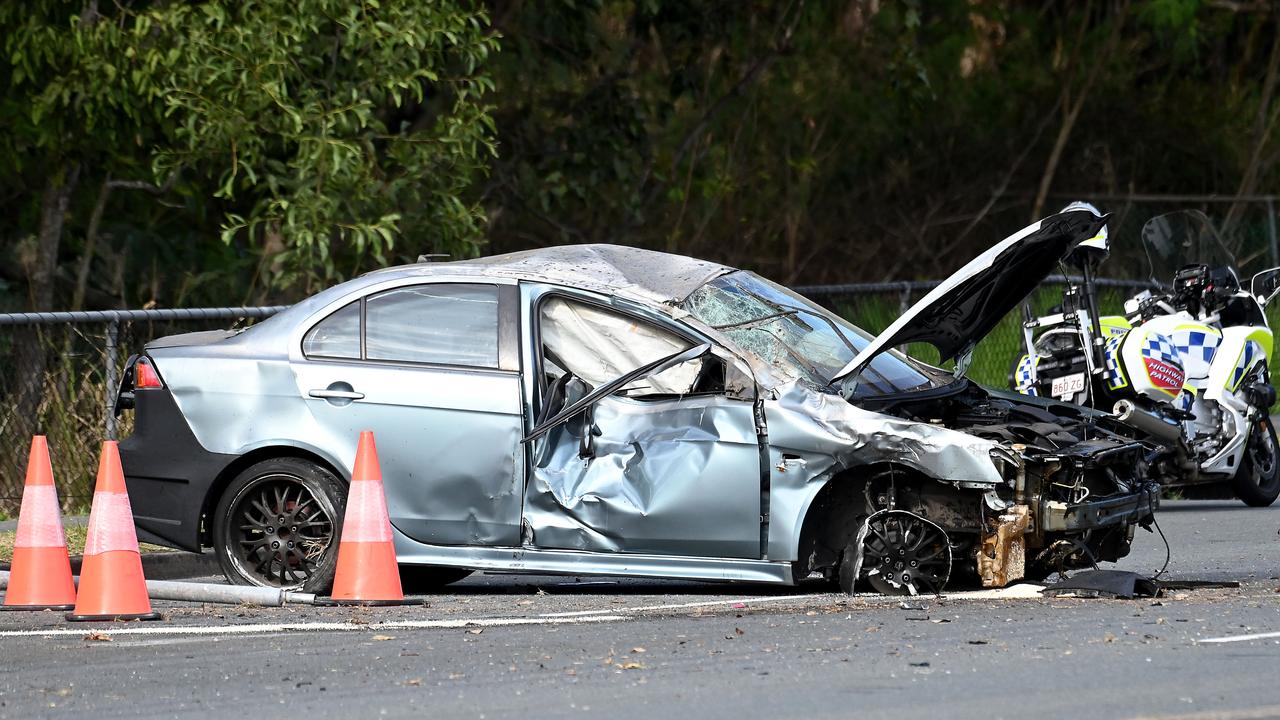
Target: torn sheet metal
{"points": [[803, 419], [694, 474], [1002, 553], [830, 435]]}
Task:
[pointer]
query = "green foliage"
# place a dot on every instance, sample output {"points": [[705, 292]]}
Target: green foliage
{"points": [[855, 140], [812, 141], [75, 86], [1175, 23], [333, 128], [277, 144]]}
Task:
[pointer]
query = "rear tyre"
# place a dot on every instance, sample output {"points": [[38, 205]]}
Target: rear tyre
{"points": [[277, 525], [1257, 481], [417, 579]]}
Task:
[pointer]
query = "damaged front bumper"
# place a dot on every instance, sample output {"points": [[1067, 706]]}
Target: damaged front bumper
{"points": [[1071, 508], [1058, 516]]}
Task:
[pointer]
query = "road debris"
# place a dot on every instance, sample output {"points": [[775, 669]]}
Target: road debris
{"points": [[1114, 584]]}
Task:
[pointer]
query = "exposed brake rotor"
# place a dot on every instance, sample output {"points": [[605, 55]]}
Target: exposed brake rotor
{"points": [[904, 554]]}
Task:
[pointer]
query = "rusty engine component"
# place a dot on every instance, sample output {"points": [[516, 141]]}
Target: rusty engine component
{"points": [[1002, 555]]}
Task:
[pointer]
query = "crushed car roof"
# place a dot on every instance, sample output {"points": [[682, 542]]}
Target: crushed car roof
{"points": [[617, 269]]}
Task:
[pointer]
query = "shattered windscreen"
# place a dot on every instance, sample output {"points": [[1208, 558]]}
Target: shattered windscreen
{"points": [[800, 339]]}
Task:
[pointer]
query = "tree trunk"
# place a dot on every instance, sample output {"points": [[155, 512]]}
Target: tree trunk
{"points": [[1262, 127], [1072, 112], [32, 356]]}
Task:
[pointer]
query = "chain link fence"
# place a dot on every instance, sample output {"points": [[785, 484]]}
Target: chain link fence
{"points": [[59, 373], [873, 306]]}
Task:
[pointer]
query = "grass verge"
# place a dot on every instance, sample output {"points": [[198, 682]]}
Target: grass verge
{"points": [[75, 543]]}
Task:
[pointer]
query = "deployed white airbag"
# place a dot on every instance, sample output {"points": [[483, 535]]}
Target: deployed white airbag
{"points": [[598, 345]]}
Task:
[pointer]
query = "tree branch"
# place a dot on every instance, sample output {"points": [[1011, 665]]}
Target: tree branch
{"points": [[95, 222], [749, 77], [1262, 127], [1073, 112]]}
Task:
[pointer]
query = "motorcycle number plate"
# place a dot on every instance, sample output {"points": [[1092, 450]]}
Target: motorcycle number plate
{"points": [[1067, 386]]}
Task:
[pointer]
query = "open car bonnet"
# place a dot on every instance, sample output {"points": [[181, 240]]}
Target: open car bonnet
{"points": [[954, 316]]}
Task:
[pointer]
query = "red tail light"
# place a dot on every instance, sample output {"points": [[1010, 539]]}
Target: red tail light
{"points": [[145, 376]]}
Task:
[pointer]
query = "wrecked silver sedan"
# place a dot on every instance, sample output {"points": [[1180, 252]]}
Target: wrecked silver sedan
{"points": [[605, 410]]}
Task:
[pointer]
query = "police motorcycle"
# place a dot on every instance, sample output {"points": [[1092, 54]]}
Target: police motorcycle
{"points": [[1186, 364]]}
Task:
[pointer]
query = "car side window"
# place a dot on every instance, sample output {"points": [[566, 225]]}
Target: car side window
{"points": [[445, 323], [337, 336]]}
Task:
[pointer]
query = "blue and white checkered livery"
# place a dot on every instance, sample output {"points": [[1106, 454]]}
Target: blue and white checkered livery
{"points": [[1197, 349], [1251, 352], [1111, 354], [1024, 376], [1159, 347], [1185, 399]]}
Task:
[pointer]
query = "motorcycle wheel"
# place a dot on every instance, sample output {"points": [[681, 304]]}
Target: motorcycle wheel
{"points": [[1257, 482]]}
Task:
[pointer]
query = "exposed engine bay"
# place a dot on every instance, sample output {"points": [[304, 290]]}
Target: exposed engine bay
{"points": [[1063, 462], [1070, 477]]}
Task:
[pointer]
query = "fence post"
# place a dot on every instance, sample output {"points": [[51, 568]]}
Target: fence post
{"points": [[1271, 233], [109, 393]]}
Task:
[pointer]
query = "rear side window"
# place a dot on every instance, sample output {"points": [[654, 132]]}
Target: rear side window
{"points": [[440, 324], [337, 336], [446, 324]]}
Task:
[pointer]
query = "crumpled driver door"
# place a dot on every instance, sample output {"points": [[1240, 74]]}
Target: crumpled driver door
{"points": [[668, 476]]}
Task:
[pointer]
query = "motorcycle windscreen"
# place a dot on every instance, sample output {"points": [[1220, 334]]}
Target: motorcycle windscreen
{"points": [[1175, 240]]}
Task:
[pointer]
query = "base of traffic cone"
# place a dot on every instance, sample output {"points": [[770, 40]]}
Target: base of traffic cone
{"points": [[112, 588], [112, 618], [367, 573], [40, 579], [36, 607], [332, 602]]}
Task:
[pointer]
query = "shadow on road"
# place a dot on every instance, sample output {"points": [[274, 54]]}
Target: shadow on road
{"points": [[1200, 506], [552, 585]]}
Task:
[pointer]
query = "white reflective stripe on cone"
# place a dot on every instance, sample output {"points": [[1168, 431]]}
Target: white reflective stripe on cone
{"points": [[110, 524], [366, 519], [39, 522]]}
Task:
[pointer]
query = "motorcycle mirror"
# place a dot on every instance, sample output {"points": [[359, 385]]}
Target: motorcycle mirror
{"points": [[1266, 285]]}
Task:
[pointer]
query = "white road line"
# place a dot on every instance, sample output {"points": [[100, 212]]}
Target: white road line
{"points": [[563, 618], [266, 628], [1241, 638], [1013, 592], [1255, 713]]}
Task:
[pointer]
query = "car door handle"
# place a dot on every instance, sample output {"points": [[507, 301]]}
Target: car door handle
{"points": [[342, 394]]}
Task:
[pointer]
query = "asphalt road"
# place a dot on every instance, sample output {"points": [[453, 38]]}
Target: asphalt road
{"points": [[510, 647]]}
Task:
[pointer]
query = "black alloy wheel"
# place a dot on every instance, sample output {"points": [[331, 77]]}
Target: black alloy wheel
{"points": [[901, 554], [277, 525], [1257, 481]]}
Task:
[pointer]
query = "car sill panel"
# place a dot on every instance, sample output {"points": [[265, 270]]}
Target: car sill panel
{"points": [[571, 562]]}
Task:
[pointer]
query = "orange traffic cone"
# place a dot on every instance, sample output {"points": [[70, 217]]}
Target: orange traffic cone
{"points": [[367, 573], [40, 575], [111, 583]]}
